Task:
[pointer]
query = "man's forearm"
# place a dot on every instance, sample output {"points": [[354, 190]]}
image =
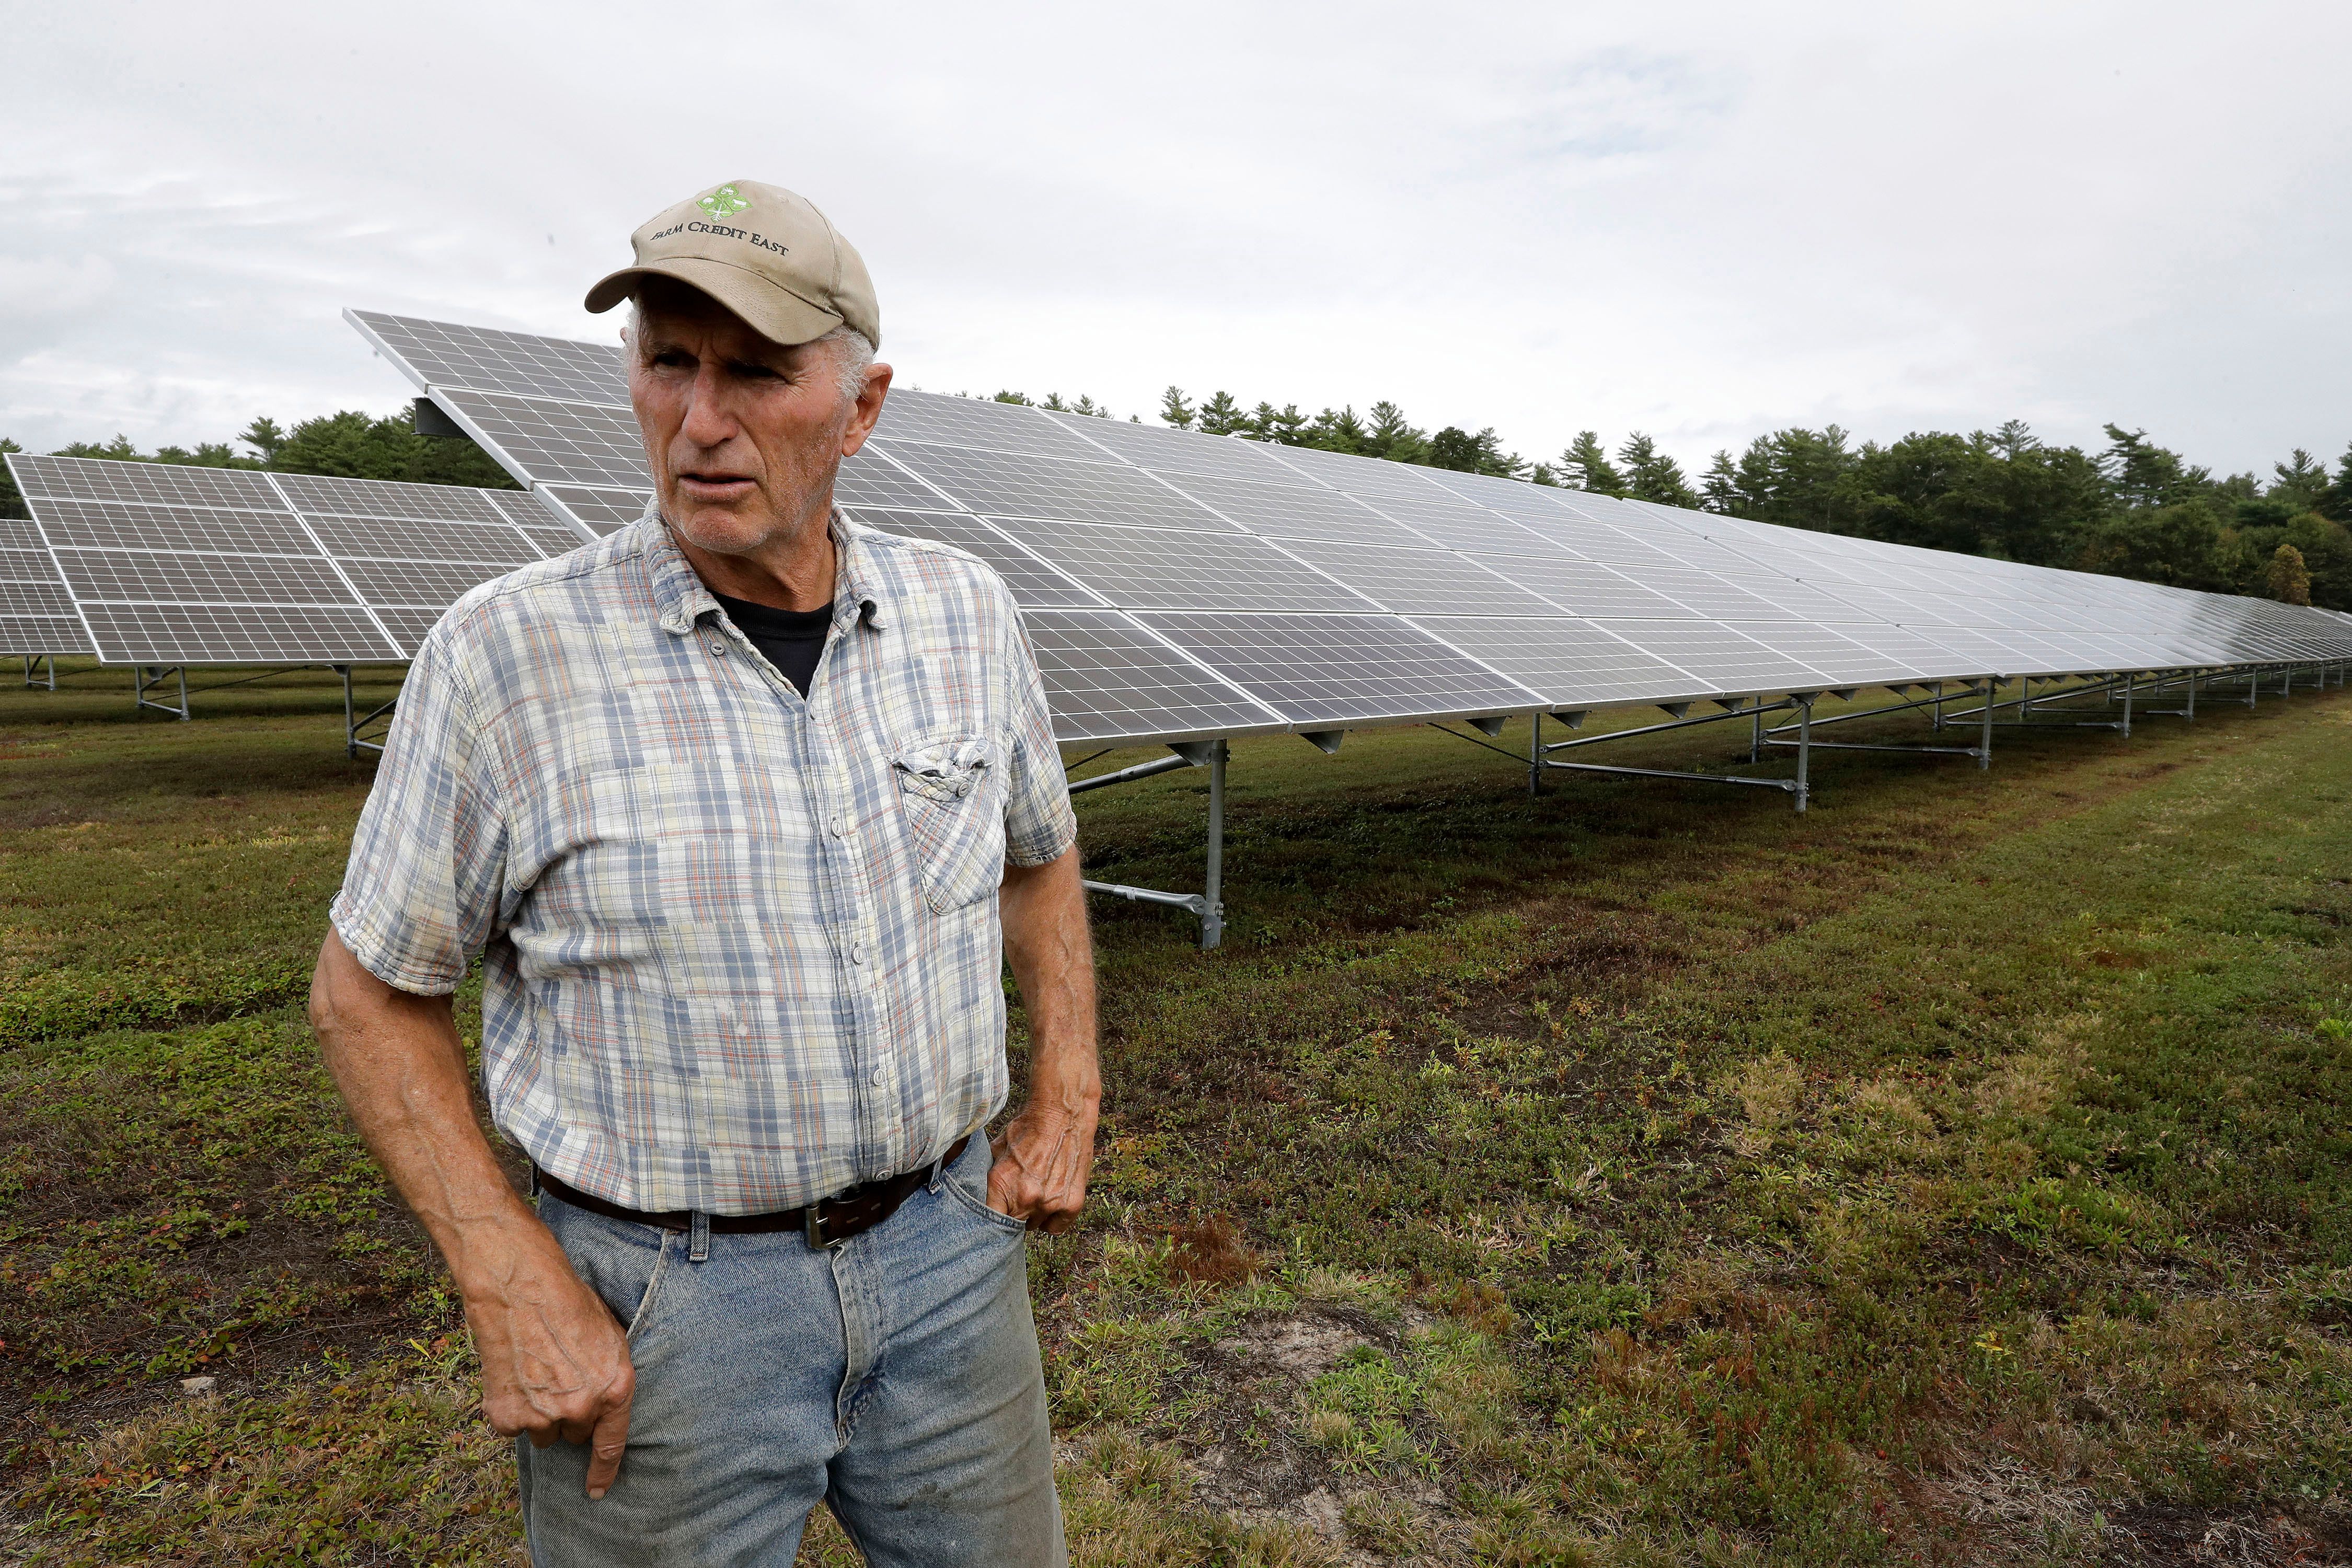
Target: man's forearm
{"points": [[401, 1071], [1052, 956]]}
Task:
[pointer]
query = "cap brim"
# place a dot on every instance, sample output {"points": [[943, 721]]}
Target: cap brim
{"points": [[776, 314]]}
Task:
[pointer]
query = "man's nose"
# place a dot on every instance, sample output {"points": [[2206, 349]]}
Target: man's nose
{"points": [[708, 422]]}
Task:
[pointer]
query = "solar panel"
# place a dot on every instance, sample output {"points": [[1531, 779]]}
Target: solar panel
{"points": [[229, 567], [1571, 663], [1163, 569], [1578, 597], [1326, 671], [1294, 510], [1004, 484], [1108, 679], [1420, 582], [37, 613], [1033, 583]]}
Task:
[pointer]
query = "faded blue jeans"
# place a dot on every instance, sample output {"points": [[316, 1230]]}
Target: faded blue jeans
{"points": [[895, 1378]]}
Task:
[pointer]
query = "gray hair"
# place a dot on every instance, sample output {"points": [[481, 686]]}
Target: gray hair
{"points": [[853, 352]]}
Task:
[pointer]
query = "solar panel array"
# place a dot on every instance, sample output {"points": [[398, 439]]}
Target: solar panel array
{"points": [[1179, 584], [161, 563]]}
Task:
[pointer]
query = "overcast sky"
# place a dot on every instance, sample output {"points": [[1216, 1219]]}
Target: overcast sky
{"points": [[1704, 222]]}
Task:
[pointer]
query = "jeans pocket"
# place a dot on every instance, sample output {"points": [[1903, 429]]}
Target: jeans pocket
{"points": [[978, 1204], [622, 1262]]}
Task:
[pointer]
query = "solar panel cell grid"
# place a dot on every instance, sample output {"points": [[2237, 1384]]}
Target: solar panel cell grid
{"points": [[1001, 484], [1182, 451], [438, 583], [1033, 583], [983, 423], [601, 511], [83, 478], [1295, 511], [1150, 568], [1460, 527], [37, 634], [425, 539], [441, 354], [1108, 679], [1336, 670], [1420, 582], [1565, 661], [1722, 659], [20, 596], [92, 525], [137, 577], [560, 443], [869, 478], [259, 634], [1584, 587]]}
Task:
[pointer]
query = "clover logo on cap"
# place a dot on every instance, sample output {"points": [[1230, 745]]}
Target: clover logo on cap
{"points": [[724, 201]]}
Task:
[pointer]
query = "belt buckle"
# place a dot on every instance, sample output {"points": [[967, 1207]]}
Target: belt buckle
{"points": [[813, 1228]]}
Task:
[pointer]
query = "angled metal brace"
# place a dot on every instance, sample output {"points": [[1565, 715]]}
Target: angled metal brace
{"points": [[1208, 905]]}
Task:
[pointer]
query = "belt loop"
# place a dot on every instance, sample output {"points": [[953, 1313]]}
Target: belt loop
{"points": [[698, 1248]]}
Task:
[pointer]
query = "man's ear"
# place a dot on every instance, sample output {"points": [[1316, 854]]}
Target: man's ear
{"points": [[861, 418]]}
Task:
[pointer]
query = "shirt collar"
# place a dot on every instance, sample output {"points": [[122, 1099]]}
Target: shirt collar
{"points": [[681, 598]]}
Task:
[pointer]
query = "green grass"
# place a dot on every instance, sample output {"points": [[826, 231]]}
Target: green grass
{"points": [[1640, 1173]]}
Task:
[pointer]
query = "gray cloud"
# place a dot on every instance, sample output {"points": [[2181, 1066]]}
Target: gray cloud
{"points": [[1704, 221]]}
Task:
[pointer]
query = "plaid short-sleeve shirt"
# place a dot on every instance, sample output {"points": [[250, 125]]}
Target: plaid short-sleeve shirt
{"points": [[740, 951]]}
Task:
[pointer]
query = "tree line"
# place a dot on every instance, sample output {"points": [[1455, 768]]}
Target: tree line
{"points": [[2132, 508], [349, 445]]}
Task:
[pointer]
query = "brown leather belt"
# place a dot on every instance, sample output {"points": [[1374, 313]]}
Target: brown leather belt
{"points": [[828, 1222]]}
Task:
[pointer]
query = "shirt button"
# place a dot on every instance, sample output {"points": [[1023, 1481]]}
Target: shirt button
{"points": [[857, 953], [839, 830], [718, 648], [879, 1076]]}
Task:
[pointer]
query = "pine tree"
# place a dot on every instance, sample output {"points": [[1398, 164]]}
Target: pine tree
{"points": [[1020, 397], [1586, 467], [264, 437], [1175, 408], [2301, 481], [1651, 476], [2337, 502], [1340, 432], [1090, 407], [2288, 581], [1719, 488], [1286, 425], [1221, 416], [1053, 402], [1392, 437]]}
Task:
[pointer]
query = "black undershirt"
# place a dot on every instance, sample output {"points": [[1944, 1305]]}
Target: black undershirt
{"points": [[793, 640]]}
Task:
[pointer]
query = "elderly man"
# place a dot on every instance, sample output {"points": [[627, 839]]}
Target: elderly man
{"points": [[739, 807]]}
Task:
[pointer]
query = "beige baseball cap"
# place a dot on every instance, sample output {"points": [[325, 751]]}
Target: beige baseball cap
{"points": [[762, 251]]}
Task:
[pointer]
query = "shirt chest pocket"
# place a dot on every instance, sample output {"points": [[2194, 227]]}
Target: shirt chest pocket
{"points": [[951, 798]]}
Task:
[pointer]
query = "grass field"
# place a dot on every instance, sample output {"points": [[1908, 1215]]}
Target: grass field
{"points": [[1637, 1175]]}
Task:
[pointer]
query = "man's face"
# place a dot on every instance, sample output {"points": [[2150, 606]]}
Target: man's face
{"points": [[744, 435]]}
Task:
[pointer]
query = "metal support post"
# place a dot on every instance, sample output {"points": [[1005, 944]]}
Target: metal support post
{"points": [[49, 659], [1535, 756], [356, 722], [1208, 905], [2128, 699], [2286, 680], [1756, 734], [1984, 746], [1938, 725], [1212, 907], [147, 677], [1804, 751], [2191, 712]]}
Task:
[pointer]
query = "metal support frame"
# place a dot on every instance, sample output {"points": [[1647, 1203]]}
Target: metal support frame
{"points": [[1798, 787], [1206, 906], [147, 677], [48, 658], [1983, 752], [354, 722]]}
